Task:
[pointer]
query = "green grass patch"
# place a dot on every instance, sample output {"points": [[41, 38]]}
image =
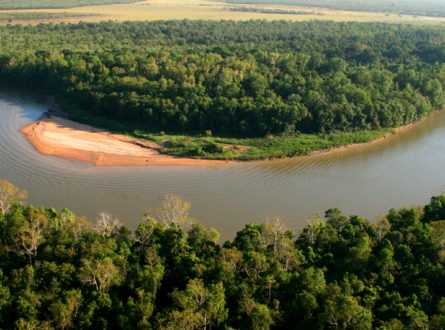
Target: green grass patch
{"points": [[199, 145]]}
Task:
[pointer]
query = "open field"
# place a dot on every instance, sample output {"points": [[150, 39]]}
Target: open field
{"points": [[207, 10], [410, 7]]}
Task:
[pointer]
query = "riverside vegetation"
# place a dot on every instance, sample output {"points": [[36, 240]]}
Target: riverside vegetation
{"points": [[234, 90], [58, 270]]}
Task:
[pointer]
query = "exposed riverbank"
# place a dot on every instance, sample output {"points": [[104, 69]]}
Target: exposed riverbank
{"points": [[56, 136]]}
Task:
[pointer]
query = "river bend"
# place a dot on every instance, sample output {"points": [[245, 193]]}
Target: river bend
{"points": [[405, 169]]}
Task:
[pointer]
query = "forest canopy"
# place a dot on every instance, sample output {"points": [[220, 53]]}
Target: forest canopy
{"points": [[58, 270], [235, 78]]}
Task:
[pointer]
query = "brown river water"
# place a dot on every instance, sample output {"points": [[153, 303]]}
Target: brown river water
{"points": [[403, 170]]}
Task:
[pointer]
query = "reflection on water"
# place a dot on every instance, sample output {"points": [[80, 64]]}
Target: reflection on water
{"points": [[404, 169]]}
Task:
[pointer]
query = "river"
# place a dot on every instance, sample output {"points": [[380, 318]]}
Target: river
{"points": [[405, 169]]}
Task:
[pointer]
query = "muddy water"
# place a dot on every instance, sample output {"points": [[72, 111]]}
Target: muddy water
{"points": [[403, 170]]}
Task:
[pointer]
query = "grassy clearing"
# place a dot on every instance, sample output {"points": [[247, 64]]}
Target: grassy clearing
{"points": [[230, 148], [255, 148]]}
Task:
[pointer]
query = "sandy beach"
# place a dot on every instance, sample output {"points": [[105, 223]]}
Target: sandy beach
{"points": [[55, 136]]}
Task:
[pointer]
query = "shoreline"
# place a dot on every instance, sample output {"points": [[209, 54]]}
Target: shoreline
{"points": [[55, 136], [362, 144]]}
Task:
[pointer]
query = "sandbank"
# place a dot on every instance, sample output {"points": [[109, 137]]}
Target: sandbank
{"points": [[56, 136]]}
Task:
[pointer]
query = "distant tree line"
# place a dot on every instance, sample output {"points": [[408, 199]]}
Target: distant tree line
{"points": [[236, 78], [59, 271], [409, 7]]}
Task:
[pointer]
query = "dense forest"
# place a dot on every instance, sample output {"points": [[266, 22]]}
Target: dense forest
{"points": [[249, 78], [413, 7], [35, 4], [58, 270]]}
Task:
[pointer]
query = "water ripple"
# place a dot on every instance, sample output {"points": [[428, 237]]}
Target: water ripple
{"points": [[404, 170]]}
